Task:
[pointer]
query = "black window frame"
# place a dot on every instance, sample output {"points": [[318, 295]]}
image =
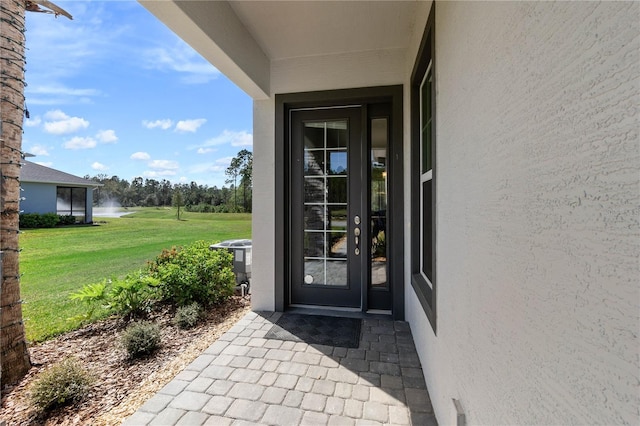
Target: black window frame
{"points": [[425, 61], [73, 190]]}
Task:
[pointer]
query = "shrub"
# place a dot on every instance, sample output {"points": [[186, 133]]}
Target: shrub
{"points": [[66, 220], [133, 295], [187, 316], [195, 274], [37, 220], [141, 338], [64, 383]]}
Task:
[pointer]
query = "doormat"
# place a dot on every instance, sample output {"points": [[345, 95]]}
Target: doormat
{"points": [[317, 329]]}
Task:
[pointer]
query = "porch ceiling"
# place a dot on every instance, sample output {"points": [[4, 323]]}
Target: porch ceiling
{"points": [[290, 29], [243, 38]]}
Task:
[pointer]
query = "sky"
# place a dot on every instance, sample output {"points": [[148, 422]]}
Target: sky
{"points": [[115, 92]]}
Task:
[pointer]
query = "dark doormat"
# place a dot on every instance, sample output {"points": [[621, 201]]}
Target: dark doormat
{"points": [[317, 329]]}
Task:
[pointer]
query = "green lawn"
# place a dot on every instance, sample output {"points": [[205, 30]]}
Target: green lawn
{"points": [[57, 262]]}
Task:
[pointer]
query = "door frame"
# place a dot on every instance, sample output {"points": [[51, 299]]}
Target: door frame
{"points": [[395, 216]]}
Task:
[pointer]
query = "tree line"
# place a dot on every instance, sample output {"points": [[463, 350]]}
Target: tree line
{"points": [[193, 197]]}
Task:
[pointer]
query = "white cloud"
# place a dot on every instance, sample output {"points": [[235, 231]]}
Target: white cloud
{"points": [[60, 123], [38, 150], [57, 89], [241, 138], [107, 136], [181, 58], [154, 174], [140, 156], [163, 124], [190, 125], [205, 150], [163, 165], [32, 122], [78, 142], [99, 166]]}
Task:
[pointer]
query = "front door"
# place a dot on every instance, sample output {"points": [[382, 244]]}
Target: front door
{"points": [[338, 208]]}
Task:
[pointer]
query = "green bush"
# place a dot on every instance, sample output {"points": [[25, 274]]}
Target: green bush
{"points": [[187, 316], [141, 338], [64, 383], [134, 295], [37, 220], [66, 220], [195, 274]]}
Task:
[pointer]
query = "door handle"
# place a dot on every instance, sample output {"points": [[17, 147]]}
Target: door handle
{"points": [[356, 233]]}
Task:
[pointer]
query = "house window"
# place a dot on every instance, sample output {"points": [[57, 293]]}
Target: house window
{"points": [[72, 202], [423, 173]]}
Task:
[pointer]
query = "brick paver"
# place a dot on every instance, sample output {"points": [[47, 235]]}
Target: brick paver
{"points": [[245, 378]]}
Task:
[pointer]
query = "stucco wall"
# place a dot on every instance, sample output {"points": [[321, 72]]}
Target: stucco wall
{"points": [[38, 197], [538, 162], [263, 217]]}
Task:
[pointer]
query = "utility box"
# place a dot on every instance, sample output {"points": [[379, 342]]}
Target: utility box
{"points": [[241, 250]]}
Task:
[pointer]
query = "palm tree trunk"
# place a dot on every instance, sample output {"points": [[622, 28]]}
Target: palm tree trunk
{"points": [[14, 356]]}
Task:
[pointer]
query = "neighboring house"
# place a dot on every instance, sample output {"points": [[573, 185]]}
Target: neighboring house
{"points": [[469, 167], [47, 190]]}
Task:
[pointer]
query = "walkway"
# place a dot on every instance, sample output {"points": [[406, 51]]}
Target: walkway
{"points": [[246, 379]]}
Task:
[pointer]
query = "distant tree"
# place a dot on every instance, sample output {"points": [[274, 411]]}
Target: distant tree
{"points": [[241, 165], [177, 200]]}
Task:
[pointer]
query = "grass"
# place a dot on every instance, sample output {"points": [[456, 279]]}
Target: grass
{"points": [[57, 262]]}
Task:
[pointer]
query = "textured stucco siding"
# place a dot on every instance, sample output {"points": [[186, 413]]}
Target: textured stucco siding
{"points": [[538, 242], [263, 218], [38, 197]]}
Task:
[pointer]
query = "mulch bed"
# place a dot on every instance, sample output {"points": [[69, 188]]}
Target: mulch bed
{"points": [[121, 385]]}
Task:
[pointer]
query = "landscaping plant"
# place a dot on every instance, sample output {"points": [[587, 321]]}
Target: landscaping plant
{"points": [[195, 274], [187, 316], [64, 383], [141, 338]]}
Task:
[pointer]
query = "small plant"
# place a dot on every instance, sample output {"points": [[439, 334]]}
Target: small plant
{"points": [[92, 295], [141, 338], [187, 316], [64, 383]]}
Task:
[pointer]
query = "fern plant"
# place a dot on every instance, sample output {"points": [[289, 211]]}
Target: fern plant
{"points": [[93, 295]]}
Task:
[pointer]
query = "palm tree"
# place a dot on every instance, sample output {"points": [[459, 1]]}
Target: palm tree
{"points": [[14, 357], [13, 353]]}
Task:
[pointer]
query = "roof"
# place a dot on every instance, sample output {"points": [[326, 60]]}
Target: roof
{"points": [[32, 172]]}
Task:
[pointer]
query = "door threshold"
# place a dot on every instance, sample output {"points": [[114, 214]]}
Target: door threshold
{"points": [[336, 311]]}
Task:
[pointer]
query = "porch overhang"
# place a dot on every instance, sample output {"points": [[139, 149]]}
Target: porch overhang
{"points": [[270, 47], [214, 30]]}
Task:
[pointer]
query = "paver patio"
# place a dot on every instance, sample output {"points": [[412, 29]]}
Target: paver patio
{"points": [[244, 378]]}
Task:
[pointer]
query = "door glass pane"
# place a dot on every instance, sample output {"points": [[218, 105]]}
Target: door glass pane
{"points": [[379, 145], [325, 203], [314, 162], [314, 190], [337, 189], [337, 244], [314, 217], [337, 162]]}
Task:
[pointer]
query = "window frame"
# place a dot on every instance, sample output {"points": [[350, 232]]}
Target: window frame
{"points": [[73, 190], [426, 289]]}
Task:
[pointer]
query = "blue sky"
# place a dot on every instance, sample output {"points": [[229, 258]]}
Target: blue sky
{"points": [[115, 92]]}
